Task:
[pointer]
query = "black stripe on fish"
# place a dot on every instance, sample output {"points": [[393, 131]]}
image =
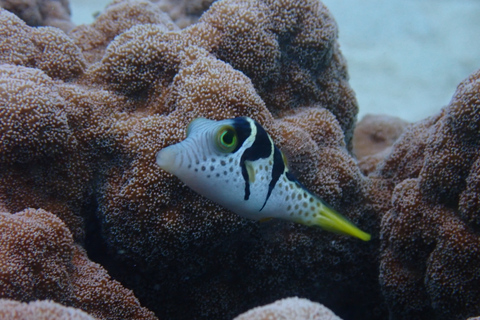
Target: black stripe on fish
{"points": [[243, 130], [277, 170], [260, 149], [292, 178]]}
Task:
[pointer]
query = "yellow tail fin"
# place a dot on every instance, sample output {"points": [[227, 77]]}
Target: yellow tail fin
{"points": [[331, 220]]}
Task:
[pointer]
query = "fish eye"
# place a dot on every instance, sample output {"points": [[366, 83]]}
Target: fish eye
{"points": [[227, 139]]}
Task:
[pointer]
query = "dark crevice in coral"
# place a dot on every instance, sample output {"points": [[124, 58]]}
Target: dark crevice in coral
{"points": [[94, 243]]}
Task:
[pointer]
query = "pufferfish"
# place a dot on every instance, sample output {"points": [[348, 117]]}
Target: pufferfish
{"points": [[235, 163]]}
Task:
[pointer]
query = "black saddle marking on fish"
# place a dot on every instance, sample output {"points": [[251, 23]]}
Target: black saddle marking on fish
{"points": [[294, 179], [260, 149], [290, 176], [277, 170], [242, 129]]}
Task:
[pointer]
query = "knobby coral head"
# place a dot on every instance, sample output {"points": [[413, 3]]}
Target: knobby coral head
{"points": [[39, 261], [431, 233], [87, 111], [84, 113]]}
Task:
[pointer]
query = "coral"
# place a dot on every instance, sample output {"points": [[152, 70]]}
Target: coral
{"points": [[453, 146], [373, 137], [469, 200], [34, 125], [47, 157], [290, 52], [46, 48], [38, 13], [431, 241], [187, 230], [290, 308], [38, 260], [188, 236], [118, 18], [36, 248], [85, 148], [39, 310], [184, 12]]}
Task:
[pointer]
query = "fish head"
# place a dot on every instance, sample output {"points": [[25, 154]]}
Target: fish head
{"points": [[207, 141], [208, 160]]}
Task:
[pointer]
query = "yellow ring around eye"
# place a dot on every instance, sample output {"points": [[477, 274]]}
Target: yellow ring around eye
{"points": [[226, 139]]}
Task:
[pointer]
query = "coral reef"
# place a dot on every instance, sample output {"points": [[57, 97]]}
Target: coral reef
{"points": [[290, 52], [39, 310], [119, 16], [38, 13], [290, 309], [140, 83], [45, 48], [373, 138], [431, 241], [84, 113], [38, 260], [184, 12]]}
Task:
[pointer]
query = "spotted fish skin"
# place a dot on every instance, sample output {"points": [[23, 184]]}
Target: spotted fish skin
{"points": [[235, 163]]}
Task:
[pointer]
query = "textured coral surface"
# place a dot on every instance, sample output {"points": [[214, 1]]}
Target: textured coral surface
{"points": [[430, 253], [373, 139], [39, 310], [290, 309], [184, 12], [41, 12], [39, 260], [84, 113]]}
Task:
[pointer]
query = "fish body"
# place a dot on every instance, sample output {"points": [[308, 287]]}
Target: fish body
{"points": [[235, 163]]}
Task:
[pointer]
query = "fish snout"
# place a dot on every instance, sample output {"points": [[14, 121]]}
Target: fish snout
{"points": [[166, 158]]}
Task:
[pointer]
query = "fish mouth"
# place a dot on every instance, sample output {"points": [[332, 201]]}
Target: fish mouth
{"points": [[166, 158]]}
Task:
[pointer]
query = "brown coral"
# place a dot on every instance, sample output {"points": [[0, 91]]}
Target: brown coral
{"points": [[43, 141], [118, 18], [143, 83], [34, 124], [430, 252], [290, 52], [39, 310], [373, 137], [453, 145], [38, 260], [291, 309], [184, 12], [38, 13], [45, 48], [36, 248]]}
